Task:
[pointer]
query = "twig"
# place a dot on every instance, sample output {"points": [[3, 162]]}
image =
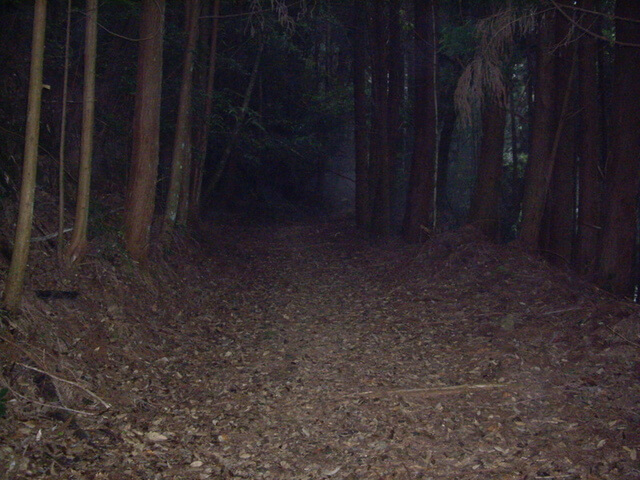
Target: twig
{"points": [[49, 236], [75, 384], [49, 405], [635, 344], [563, 310], [433, 391]]}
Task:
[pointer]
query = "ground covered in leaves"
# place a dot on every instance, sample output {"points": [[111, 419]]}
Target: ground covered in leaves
{"points": [[303, 351]]}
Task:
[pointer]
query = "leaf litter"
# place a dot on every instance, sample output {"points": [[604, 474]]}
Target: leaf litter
{"points": [[304, 351]]}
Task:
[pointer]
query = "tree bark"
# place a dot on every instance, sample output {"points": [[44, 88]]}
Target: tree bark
{"points": [[15, 276], [78, 243], [590, 151], [141, 188], [559, 217], [181, 140], [363, 212], [623, 171], [379, 179], [63, 139], [485, 204], [540, 165], [420, 208], [202, 137]]}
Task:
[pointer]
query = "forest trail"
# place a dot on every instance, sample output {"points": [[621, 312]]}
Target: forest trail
{"points": [[305, 352]]}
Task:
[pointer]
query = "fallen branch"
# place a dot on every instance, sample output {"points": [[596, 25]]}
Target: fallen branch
{"points": [[49, 405], [433, 391], [75, 384]]}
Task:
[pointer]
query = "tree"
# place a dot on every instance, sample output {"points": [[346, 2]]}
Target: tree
{"points": [[78, 243], [485, 204], [140, 195], [540, 165], [15, 276], [182, 141], [590, 150], [623, 170], [63, 136], [379, 154], [202, 135], [420, 208], [558, 222], [363, 211]]}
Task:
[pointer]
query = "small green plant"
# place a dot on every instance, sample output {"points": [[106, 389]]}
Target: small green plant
{"points": [[3, 401]]}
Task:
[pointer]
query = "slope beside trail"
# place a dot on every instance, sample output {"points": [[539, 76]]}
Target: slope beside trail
{"points": [[306, 352]]}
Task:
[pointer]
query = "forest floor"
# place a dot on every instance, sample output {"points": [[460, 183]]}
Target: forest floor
{"points": [[303, 351]]}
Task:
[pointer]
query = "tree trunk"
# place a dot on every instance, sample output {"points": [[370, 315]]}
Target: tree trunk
{"points": [[420, 208], [202, 138], [590, 151], [485, 204], [222, 163], [141, 188], [623, 172], [63, 139], [181, 140], [15, 276], [540, 163], [379, 175], [448, 123], [395, 61], [559, 217], [363, 212], [78, 243], [185, 184]]}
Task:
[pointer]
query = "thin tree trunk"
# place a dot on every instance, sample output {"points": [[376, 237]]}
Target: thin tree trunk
{"points": [[63, 139], [485, 205], [363, 212], [185, 183], [78, 243], [420, 209], [213, 183], [181, 141], [202, 139], [15, 277], [623, 171], [590, 179], [141, 188], [379, 181], [447, 122]]}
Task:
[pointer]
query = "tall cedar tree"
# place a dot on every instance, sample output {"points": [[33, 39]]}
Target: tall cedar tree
{"points": [[141, 189], [182, 140], [485, 204], [15, 277], [623, 170], [558, 223], [540, 164], [380, 150], [590, 148], [420, 208], [78, 243], [358, 38], [202, 133]]}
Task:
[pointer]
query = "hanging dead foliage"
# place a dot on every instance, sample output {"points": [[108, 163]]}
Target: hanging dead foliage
{"points": [[484, 75]]}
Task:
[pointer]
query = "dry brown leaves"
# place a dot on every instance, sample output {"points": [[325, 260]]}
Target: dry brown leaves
{"points": [[305, 352]]}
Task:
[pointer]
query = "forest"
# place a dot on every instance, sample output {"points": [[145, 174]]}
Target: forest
{"points": [[319, 239]]}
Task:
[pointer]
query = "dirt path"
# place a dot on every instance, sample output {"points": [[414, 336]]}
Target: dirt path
{"points": [[306, 353]]}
